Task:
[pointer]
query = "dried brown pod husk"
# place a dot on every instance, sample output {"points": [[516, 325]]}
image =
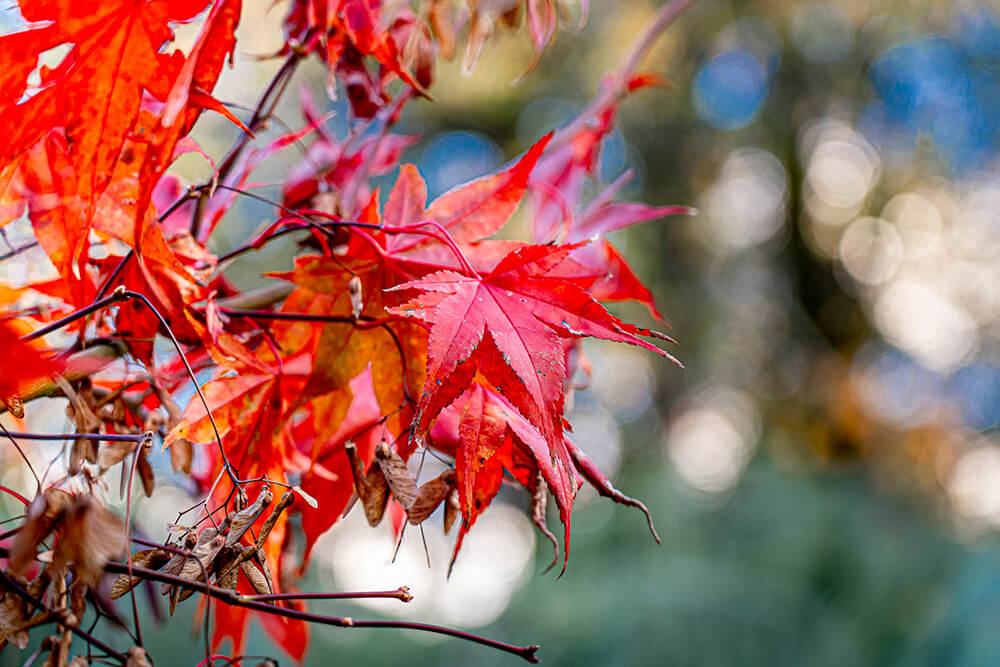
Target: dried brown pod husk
{"points": [[240, 522], [256, 578], [181, 455], [151, 559], [401, 481], [145, 470], [442, 22], [14, 405], [451, 510], [91, 536], [14, 611], [357, 304], [137, 657], [372, 489], [83, 450], [113, 453], [191, 567], [430, 495], [44, 514]]}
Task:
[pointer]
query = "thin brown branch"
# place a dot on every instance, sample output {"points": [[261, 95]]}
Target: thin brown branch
{"points": [[402, 594], [528, 653]]}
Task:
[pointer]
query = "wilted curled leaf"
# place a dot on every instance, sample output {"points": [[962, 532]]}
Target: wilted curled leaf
{"points": [[372, 488], [430, 495], [151, 559], [401, 481], [44, 514], [539, 501], [603, 485]]}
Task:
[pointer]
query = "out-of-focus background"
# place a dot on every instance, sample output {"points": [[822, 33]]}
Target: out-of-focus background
{"points": [[825, 473]]}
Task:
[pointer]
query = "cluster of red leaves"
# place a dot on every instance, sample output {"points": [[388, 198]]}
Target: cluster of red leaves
{"points": [[408, 326]]}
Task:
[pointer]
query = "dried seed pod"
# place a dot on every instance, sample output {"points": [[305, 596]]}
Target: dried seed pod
{"points": [[240, 522], [357, 305], [145, 470], [13, 613], [152, 559], [137, 657], [84, 449], [256, 578], [92, 535], [14, 405], [451, 510], [113, 453], [372, 489], [45, 512], [208, 547], [181, 455], [439, 15], [401, 481], [430, 495]]}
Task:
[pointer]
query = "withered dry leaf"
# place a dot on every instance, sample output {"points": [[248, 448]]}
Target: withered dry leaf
{"points": [[152, 559], [240, 522], [13, 613], [401, 481], [44, 514], [256, 578], [92, 535], [372, 488], [430, 495]]}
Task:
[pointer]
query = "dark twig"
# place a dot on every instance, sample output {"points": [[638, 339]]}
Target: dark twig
{"points": [[234, 598], [11, 584]]}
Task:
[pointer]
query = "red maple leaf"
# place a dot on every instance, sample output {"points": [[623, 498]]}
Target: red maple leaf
{"points": [[469, 212], [20, 364], [487, 435], [509, 326]]}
